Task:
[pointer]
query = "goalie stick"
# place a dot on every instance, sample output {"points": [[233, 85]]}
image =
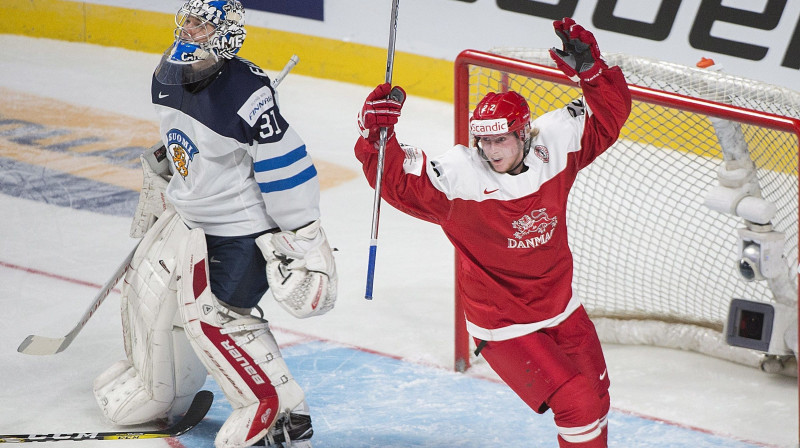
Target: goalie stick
{"points": [[194, 415], [42, 345], [286, 69]]}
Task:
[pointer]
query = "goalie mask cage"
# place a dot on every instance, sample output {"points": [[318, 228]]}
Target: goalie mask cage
{"points": [[653, 264]]}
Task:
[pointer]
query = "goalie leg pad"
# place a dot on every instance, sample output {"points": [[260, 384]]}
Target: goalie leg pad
{"points": [[126, 399], [161, 373], [238, 350]]}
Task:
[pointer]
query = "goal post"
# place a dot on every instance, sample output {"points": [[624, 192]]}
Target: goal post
{"points": [[657, 255]]}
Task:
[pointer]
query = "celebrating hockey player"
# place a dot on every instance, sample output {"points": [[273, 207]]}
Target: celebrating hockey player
{"points": [[512, 187], [229, 208]]}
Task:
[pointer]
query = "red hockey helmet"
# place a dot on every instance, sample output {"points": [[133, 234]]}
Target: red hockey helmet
{"points": [[501, 113]]}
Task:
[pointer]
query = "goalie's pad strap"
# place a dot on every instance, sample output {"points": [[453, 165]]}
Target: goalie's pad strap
{"points": [[161, 373], [238, 350]]}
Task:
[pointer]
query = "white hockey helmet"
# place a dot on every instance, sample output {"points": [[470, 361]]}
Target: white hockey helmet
{"points": [[207, 32]]}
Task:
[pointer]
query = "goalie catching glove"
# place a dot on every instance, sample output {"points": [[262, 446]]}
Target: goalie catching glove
{"points": [[381, 110], [301, 270], [579, 57]]}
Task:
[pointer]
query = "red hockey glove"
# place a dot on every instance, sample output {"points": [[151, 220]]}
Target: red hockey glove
{"points": [[381, 110], [580, 57]]}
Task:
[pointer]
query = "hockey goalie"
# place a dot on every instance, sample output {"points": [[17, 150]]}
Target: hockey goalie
{"points": [[229, 208]]}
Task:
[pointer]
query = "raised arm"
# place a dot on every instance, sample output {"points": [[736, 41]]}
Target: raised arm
{"points": [[604, 89]]}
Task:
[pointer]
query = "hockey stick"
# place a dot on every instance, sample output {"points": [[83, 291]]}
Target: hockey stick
{"points": [[376, 203], [197, 411], [42, 345], [286, 69]]}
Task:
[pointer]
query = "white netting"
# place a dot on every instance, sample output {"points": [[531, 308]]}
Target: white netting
{"points": [[646, 248]]}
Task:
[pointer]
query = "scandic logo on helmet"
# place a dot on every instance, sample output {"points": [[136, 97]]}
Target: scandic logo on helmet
{"points": [[497, 126]]}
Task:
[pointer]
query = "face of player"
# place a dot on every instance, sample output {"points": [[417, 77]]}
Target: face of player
{"points": [[196, 30], [503, 152]]}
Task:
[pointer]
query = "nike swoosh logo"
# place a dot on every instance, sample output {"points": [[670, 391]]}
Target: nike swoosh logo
{"points": [[214, 260], [603, 375], [161, 95], [487, 191]]}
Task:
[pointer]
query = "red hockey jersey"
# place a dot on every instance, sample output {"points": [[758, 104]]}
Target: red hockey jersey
{"points": [[509, 230]]}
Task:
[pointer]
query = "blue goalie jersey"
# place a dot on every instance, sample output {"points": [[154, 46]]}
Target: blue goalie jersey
{"points": [[238, 167]]}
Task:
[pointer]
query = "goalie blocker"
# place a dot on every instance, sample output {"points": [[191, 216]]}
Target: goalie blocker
{"points": [[152, 197]]}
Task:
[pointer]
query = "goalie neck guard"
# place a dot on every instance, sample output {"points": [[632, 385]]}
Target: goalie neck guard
{"points": [[207, 33]]}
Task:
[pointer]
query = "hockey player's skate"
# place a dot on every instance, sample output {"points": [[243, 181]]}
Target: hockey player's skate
{"points": [[293, 431]]}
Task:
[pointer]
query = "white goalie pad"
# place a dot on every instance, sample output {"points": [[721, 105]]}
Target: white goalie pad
{"points": [[301, 270], [238, 350], [152, 198], [161, 373]]}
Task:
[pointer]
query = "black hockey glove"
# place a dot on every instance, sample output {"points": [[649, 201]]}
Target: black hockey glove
{"points": [[579, 57]]}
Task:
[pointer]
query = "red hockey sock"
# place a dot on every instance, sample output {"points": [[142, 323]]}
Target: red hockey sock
{"points": [[580, 415]]}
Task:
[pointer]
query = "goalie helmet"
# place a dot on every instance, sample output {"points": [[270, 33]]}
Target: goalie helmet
{"points": [[207, 32], [501, 113]]}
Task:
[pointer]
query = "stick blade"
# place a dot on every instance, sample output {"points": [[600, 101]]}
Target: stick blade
{"points": [[197, 411], [194, 415], [42, 346]]}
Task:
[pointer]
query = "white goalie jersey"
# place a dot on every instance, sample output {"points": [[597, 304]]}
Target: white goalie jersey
{"points": [[233, 121]]}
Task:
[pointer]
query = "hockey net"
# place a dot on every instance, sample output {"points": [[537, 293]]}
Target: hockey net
{"points": [[653, 264]]}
